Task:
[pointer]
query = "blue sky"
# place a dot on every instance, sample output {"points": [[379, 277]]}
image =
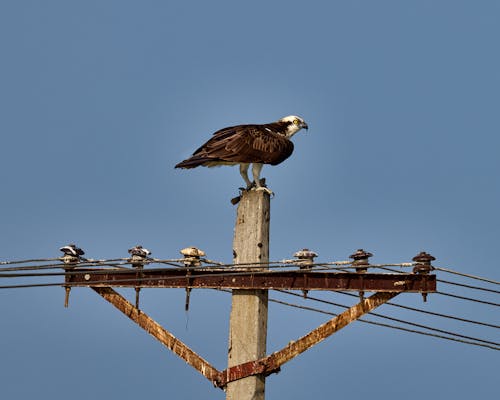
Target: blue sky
{"points": [[100, 99]]}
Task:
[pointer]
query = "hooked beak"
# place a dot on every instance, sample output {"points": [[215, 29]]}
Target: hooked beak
{"points": [[305, 126]]}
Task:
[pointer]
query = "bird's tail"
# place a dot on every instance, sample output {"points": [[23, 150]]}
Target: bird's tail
{"points": [[192, 162]]}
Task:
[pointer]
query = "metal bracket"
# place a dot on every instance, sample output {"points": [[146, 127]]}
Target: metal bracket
{"points": [[267, 365]]}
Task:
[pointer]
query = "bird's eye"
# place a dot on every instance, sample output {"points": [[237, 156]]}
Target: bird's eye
{"points": [[296, 121]]}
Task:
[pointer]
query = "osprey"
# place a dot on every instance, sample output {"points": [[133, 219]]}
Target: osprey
{"points": [[248, 144]]}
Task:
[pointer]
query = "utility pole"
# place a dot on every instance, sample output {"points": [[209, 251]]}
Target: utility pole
{"points": [[248, 320], [249, 278]]}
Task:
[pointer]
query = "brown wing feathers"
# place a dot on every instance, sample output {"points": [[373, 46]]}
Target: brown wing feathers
{"points": [[243, 144]]}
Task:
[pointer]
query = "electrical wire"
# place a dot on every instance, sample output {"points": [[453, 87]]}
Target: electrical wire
{"points": [[456, 296], [459, 284], [469, 339], [391, 326], [28, 261], [433, 313], [127, 270], [450, 271], [117, 262], [469, 286], [71, 269], [307, 308], [122, 263], [282, 263], [396, 319], [453, 283]]}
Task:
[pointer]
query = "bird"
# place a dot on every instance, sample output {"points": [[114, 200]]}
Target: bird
{"points": [[248, 144], [72, 250]]}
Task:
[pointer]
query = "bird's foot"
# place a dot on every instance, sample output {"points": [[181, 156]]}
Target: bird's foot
{"points": [[252, 186]]}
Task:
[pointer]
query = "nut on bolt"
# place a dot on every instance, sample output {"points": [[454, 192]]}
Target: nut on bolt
{"points": [[305, 258], [423, 261], [360, 258]]}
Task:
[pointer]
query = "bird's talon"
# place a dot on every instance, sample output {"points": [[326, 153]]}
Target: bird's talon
{"points": [[265, 189]]}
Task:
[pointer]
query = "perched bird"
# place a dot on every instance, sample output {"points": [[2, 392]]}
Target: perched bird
{"points": [[72, 250], [139, 251], [248, 144]]}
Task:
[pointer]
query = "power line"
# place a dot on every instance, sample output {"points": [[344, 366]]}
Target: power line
{"points": [[433, 313], [390, 326], [120, 262], [307, 308], [29, 261], [340, 265], [450, 271], [459, 284], [456, 283], [468, 299], [396, 319], [469, 286], [127, 270]]}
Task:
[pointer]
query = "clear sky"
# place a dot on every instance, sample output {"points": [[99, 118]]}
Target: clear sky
{"points": [[100, 99]]}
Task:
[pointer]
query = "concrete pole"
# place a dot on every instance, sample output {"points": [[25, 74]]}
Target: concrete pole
{"points": [[248, 321]]}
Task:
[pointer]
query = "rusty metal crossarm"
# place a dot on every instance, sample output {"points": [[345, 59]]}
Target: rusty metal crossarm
{"points": [[273, 362], [290, 280]]}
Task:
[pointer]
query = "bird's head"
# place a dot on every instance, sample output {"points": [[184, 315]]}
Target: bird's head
{"points": [[294, 124]]}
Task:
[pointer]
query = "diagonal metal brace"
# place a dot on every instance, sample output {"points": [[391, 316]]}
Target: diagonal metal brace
{"points": [[267, 365], [160, 333], [273, 362]]}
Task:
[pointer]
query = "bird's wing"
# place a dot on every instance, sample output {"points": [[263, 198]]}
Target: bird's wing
{"points": [[243, 144]]}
